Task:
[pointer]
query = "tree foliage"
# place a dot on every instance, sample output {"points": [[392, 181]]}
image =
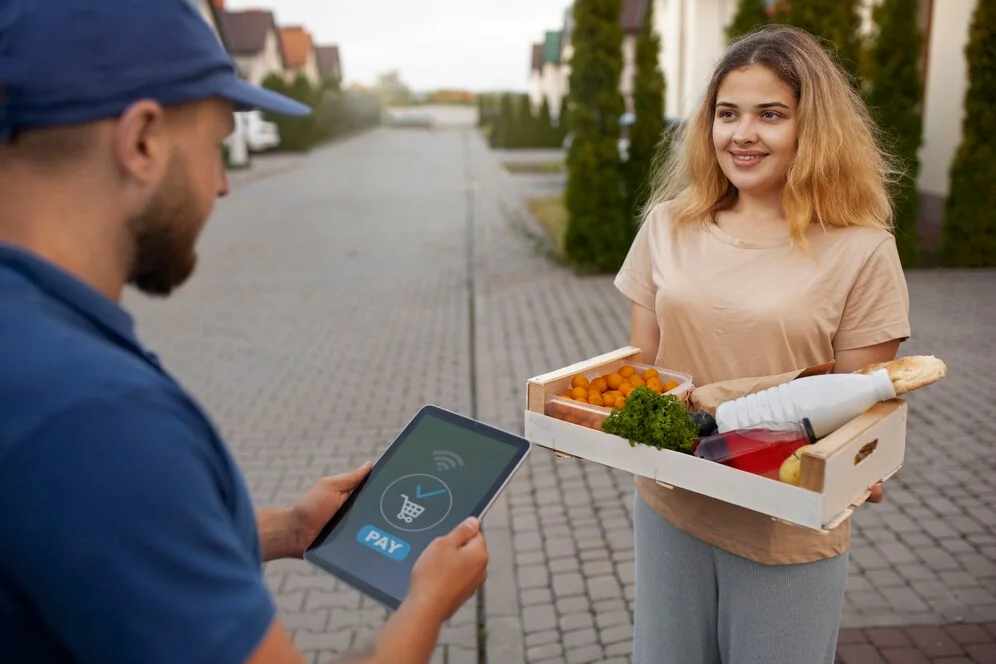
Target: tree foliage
{"points": [[750, 15], [969, 238], [894, 98], [837, 21], [648, 103], [598, 231]]}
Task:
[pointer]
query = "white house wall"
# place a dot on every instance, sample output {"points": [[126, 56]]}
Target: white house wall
{"points": [[552, 88], [536, 90], [693, 36], [626, 80], [945, 87]]}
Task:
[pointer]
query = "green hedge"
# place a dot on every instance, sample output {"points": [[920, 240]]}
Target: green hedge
{"points": [[515, 126], [335, 112]]}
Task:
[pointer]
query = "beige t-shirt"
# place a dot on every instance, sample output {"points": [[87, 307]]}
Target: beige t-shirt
{"points": [[729, 308]]}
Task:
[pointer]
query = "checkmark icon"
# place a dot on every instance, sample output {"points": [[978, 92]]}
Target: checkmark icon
{"points": [[419, 494]]}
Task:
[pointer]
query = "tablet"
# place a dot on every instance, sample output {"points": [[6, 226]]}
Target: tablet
{"points": [[441, 469]]}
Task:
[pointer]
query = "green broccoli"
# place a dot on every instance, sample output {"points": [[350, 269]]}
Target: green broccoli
{"points": [[657, 420]]}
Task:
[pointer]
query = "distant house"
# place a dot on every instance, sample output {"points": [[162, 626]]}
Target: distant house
{"points": [[634, 14], [254, 43], [558, 51], [300, 58], [566, 53], [329, 64], [552, 82], [536, 78], [945, 74]]}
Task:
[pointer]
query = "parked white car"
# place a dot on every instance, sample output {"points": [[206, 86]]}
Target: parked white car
{"points": [[260, 134]]}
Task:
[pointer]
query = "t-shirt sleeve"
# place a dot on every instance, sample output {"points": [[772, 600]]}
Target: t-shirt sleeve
{"points": [[635, 277], [115, 528], [877, 307]]}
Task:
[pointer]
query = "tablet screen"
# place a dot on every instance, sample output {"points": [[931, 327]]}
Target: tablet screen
{"points": [[441, 469]]}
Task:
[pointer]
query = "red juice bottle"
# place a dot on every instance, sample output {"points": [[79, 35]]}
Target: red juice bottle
{"points": [[759, 449]]}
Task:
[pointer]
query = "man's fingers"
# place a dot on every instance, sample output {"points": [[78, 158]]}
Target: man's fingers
{"points": [[349, 480], [466, 531]]}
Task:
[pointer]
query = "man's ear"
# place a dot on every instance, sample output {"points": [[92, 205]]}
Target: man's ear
{"points": [[141, 141]]}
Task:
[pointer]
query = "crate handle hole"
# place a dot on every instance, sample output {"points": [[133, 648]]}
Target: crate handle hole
{"points": [[865, 451]]}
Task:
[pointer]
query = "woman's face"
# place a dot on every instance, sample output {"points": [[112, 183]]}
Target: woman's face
{"points": [[754, 129]]}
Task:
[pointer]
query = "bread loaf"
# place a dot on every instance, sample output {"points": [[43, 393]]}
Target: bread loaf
{"points": [[911, 373]]}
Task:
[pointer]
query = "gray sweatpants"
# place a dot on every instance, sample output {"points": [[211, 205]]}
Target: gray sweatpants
{"points": [[697, 604]]}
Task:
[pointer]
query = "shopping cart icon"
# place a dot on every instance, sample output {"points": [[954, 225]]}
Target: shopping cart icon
{"points": [[409, 510]]}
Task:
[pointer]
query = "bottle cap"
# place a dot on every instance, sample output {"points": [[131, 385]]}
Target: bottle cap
{"points": [[808, 428]]}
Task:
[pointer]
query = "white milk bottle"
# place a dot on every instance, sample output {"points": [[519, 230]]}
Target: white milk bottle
{"points": [[829, 401]]}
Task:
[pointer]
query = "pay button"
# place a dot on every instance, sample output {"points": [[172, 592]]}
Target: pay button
{"points": [[390, 546]]}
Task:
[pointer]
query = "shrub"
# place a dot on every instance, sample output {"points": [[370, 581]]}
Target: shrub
{"points": [[750, 15], [598, 233], [969, 238], [837, 21], [648, 103], [894, 99]]}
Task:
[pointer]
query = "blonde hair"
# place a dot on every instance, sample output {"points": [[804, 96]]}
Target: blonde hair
{"points": [[840, 175]]}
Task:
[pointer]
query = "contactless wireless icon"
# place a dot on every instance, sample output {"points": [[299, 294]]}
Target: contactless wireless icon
{"points": [[446, 460]]}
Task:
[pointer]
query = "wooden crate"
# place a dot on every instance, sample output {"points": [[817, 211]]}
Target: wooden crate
{"points": [[836, 473]]}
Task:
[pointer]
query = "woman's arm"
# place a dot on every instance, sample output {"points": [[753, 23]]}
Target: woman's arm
{"points": [[849, 361], [644, 332]]}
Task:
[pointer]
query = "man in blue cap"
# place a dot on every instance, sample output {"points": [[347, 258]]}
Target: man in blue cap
{"points": [[126, 530]]}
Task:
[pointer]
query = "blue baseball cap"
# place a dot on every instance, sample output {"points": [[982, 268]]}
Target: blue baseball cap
{"points": [[66, 62]]}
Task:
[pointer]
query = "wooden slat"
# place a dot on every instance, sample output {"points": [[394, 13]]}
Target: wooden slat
{"points": [[587, 365], [814, 460], [539, 387]]}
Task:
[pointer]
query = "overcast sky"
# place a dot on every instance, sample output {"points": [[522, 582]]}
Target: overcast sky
{"points": [[469, 44]]}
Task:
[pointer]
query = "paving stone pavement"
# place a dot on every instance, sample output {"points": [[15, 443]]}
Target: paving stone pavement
{"points": [[312, 344]]}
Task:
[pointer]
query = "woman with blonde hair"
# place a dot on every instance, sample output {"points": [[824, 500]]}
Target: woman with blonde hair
{"points": [[766, 247]]}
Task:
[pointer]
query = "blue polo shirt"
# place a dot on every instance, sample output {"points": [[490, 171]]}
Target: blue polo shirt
{"points": [[127, 533]]}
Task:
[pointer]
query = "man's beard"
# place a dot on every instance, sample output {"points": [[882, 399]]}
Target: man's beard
{"points": [[165, 235]]}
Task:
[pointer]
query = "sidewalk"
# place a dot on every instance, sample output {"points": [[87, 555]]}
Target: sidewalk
{"points": [[949, 644], [264, 166]]}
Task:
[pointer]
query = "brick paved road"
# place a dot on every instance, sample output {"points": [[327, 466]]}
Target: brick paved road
{"points": [[312, 345]]}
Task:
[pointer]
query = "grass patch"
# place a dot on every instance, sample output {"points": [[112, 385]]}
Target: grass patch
{"points": [[551, 213], [535, 167]]}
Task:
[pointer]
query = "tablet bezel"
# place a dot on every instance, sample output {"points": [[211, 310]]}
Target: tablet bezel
{"points": [[523, 447]]}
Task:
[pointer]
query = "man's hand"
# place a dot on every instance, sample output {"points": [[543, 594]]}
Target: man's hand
{"points": [[449, 571], [287, 533], [323, 500], [445, 576]]}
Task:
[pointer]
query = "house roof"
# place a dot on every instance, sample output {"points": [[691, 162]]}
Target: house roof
{"points": [[633, 14], [328, 61], [297, 44], [568, 30], [551, 47], [537, 57], [245, 31]]}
